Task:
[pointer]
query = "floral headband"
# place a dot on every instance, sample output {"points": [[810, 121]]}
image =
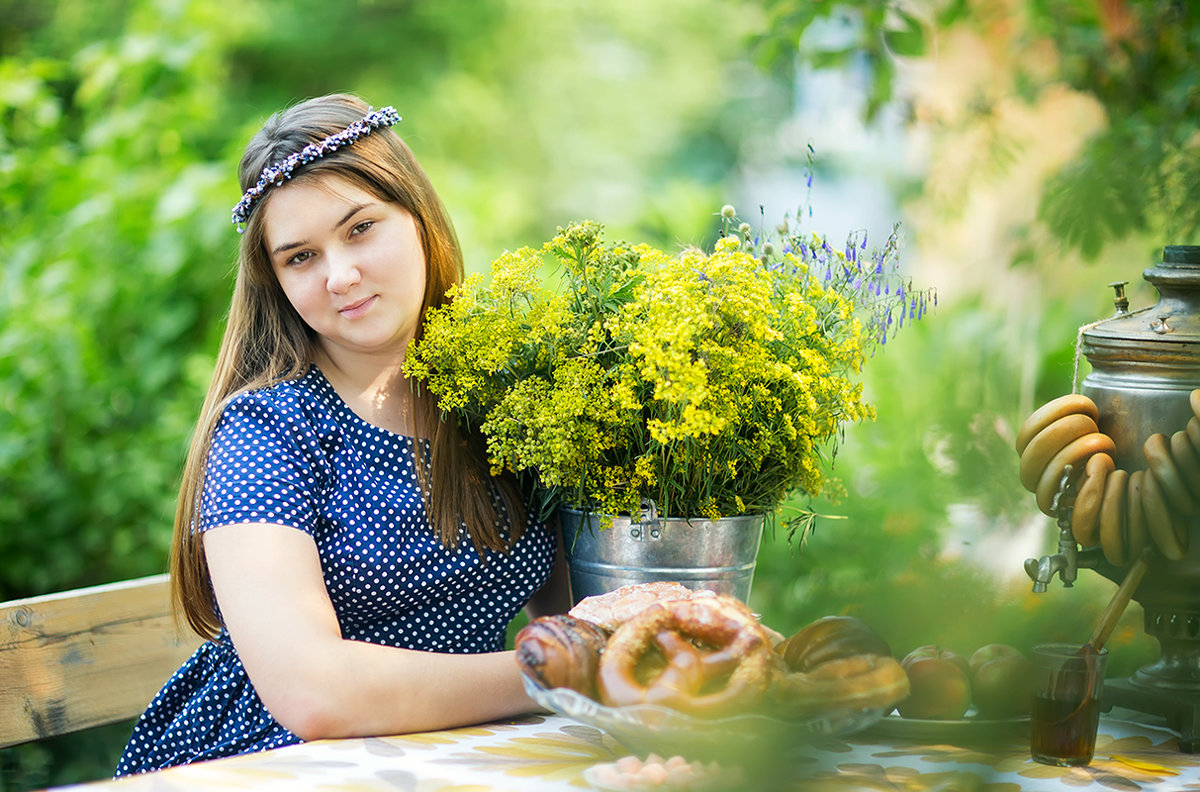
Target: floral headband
{"points": [[276, 174]]}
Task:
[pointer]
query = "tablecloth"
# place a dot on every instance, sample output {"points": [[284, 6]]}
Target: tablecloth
{"points": [[550, 754]]}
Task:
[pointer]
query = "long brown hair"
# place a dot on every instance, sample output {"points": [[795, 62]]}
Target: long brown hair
{"points": [[266, 342]]}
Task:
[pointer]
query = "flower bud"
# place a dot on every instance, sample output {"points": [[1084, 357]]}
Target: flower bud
{"points": [[728, 212]]}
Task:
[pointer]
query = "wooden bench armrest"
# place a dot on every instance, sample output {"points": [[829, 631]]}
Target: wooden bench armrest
{"points": [[88, 657]]}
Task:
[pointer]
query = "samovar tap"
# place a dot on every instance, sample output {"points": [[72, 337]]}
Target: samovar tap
{"points": [[1064, 563]]}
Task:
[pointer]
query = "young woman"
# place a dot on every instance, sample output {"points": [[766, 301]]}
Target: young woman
{"points": [[346, 553]]}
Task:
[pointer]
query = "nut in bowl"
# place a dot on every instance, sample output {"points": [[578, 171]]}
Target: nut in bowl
{"points": [[701, 673]]}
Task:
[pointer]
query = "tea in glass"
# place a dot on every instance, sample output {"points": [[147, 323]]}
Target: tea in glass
{"points": [[1068, 682]]}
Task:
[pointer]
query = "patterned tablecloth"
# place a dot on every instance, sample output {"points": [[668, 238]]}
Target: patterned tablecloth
{"points": [[552, 752]]}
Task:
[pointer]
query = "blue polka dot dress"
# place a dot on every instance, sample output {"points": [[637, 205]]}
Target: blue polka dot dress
{"points": [[296, 455]]}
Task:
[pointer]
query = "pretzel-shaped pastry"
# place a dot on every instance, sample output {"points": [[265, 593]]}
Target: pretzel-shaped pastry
{"points": [[707, 657]]}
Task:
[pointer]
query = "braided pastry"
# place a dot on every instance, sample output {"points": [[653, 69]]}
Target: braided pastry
{"points": [[865, 681]]}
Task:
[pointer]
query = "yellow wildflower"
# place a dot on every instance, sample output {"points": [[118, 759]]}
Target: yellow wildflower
{"points": [[709, 383]]}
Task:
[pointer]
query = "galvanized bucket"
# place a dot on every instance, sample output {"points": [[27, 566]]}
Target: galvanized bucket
{"points": [[699, 553]]}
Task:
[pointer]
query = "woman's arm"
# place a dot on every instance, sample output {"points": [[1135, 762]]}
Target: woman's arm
{"points": [[268, 583]]}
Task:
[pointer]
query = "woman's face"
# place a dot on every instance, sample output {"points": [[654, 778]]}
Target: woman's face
{"points": [[351, 264]]}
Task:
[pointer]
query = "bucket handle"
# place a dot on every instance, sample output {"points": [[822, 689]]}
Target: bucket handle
{"points": [[648, 526]]}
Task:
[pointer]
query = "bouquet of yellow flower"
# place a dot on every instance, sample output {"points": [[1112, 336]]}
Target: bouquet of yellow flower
{"points": [[708, 383]]}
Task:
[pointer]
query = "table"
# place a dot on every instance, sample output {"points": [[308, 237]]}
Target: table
{"points": [[549, 754]]}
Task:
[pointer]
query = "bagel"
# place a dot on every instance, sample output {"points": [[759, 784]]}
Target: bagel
{"points": [[707, 657], [1136, 533], [1112, 517], [1159, 521], [1051, 411], [1075, 454], [1048, 442], [1158, 457], [1085, 515], [1186, 460]]}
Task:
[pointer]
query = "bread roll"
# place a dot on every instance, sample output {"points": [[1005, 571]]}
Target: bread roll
{"points": [[831, 638], [561, 652], [614, 608]]}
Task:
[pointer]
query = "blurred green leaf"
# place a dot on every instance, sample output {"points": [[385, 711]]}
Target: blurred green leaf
{"points": [[908, 39]]}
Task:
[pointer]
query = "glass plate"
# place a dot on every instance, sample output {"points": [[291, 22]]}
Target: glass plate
{"points": [[647, 727]]}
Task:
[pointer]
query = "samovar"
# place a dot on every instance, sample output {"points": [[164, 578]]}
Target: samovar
{"points": [[1144, 366]]}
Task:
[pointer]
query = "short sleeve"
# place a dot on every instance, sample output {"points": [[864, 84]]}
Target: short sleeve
{"points": [[263, 465]]}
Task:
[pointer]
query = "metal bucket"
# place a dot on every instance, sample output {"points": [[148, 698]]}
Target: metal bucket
{"points": [[698, 553]]}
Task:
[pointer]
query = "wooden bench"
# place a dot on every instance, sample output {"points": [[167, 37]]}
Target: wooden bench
{"points": [[89, 657]]}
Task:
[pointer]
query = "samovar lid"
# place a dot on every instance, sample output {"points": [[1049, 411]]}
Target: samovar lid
{"points": [[1173, 321]]}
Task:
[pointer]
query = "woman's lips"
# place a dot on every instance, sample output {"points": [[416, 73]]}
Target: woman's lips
{"points": [[359, 308]]}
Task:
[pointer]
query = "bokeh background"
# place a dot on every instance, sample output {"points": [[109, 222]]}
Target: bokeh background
{"points": [[1034, 152]]}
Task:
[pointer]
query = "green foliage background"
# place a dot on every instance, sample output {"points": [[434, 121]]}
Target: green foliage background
{"points": [[120, 126]]}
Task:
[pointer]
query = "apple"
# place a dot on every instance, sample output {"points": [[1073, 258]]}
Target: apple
{"points": [[1001, 681], [939, 684], [989, 652], [934, 650]]}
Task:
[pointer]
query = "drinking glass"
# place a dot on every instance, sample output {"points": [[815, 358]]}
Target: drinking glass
{"points": [[1066, 703]]}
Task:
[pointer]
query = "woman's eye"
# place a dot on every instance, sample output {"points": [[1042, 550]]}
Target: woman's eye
{"points": [[299, 258], [361, 227]]}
